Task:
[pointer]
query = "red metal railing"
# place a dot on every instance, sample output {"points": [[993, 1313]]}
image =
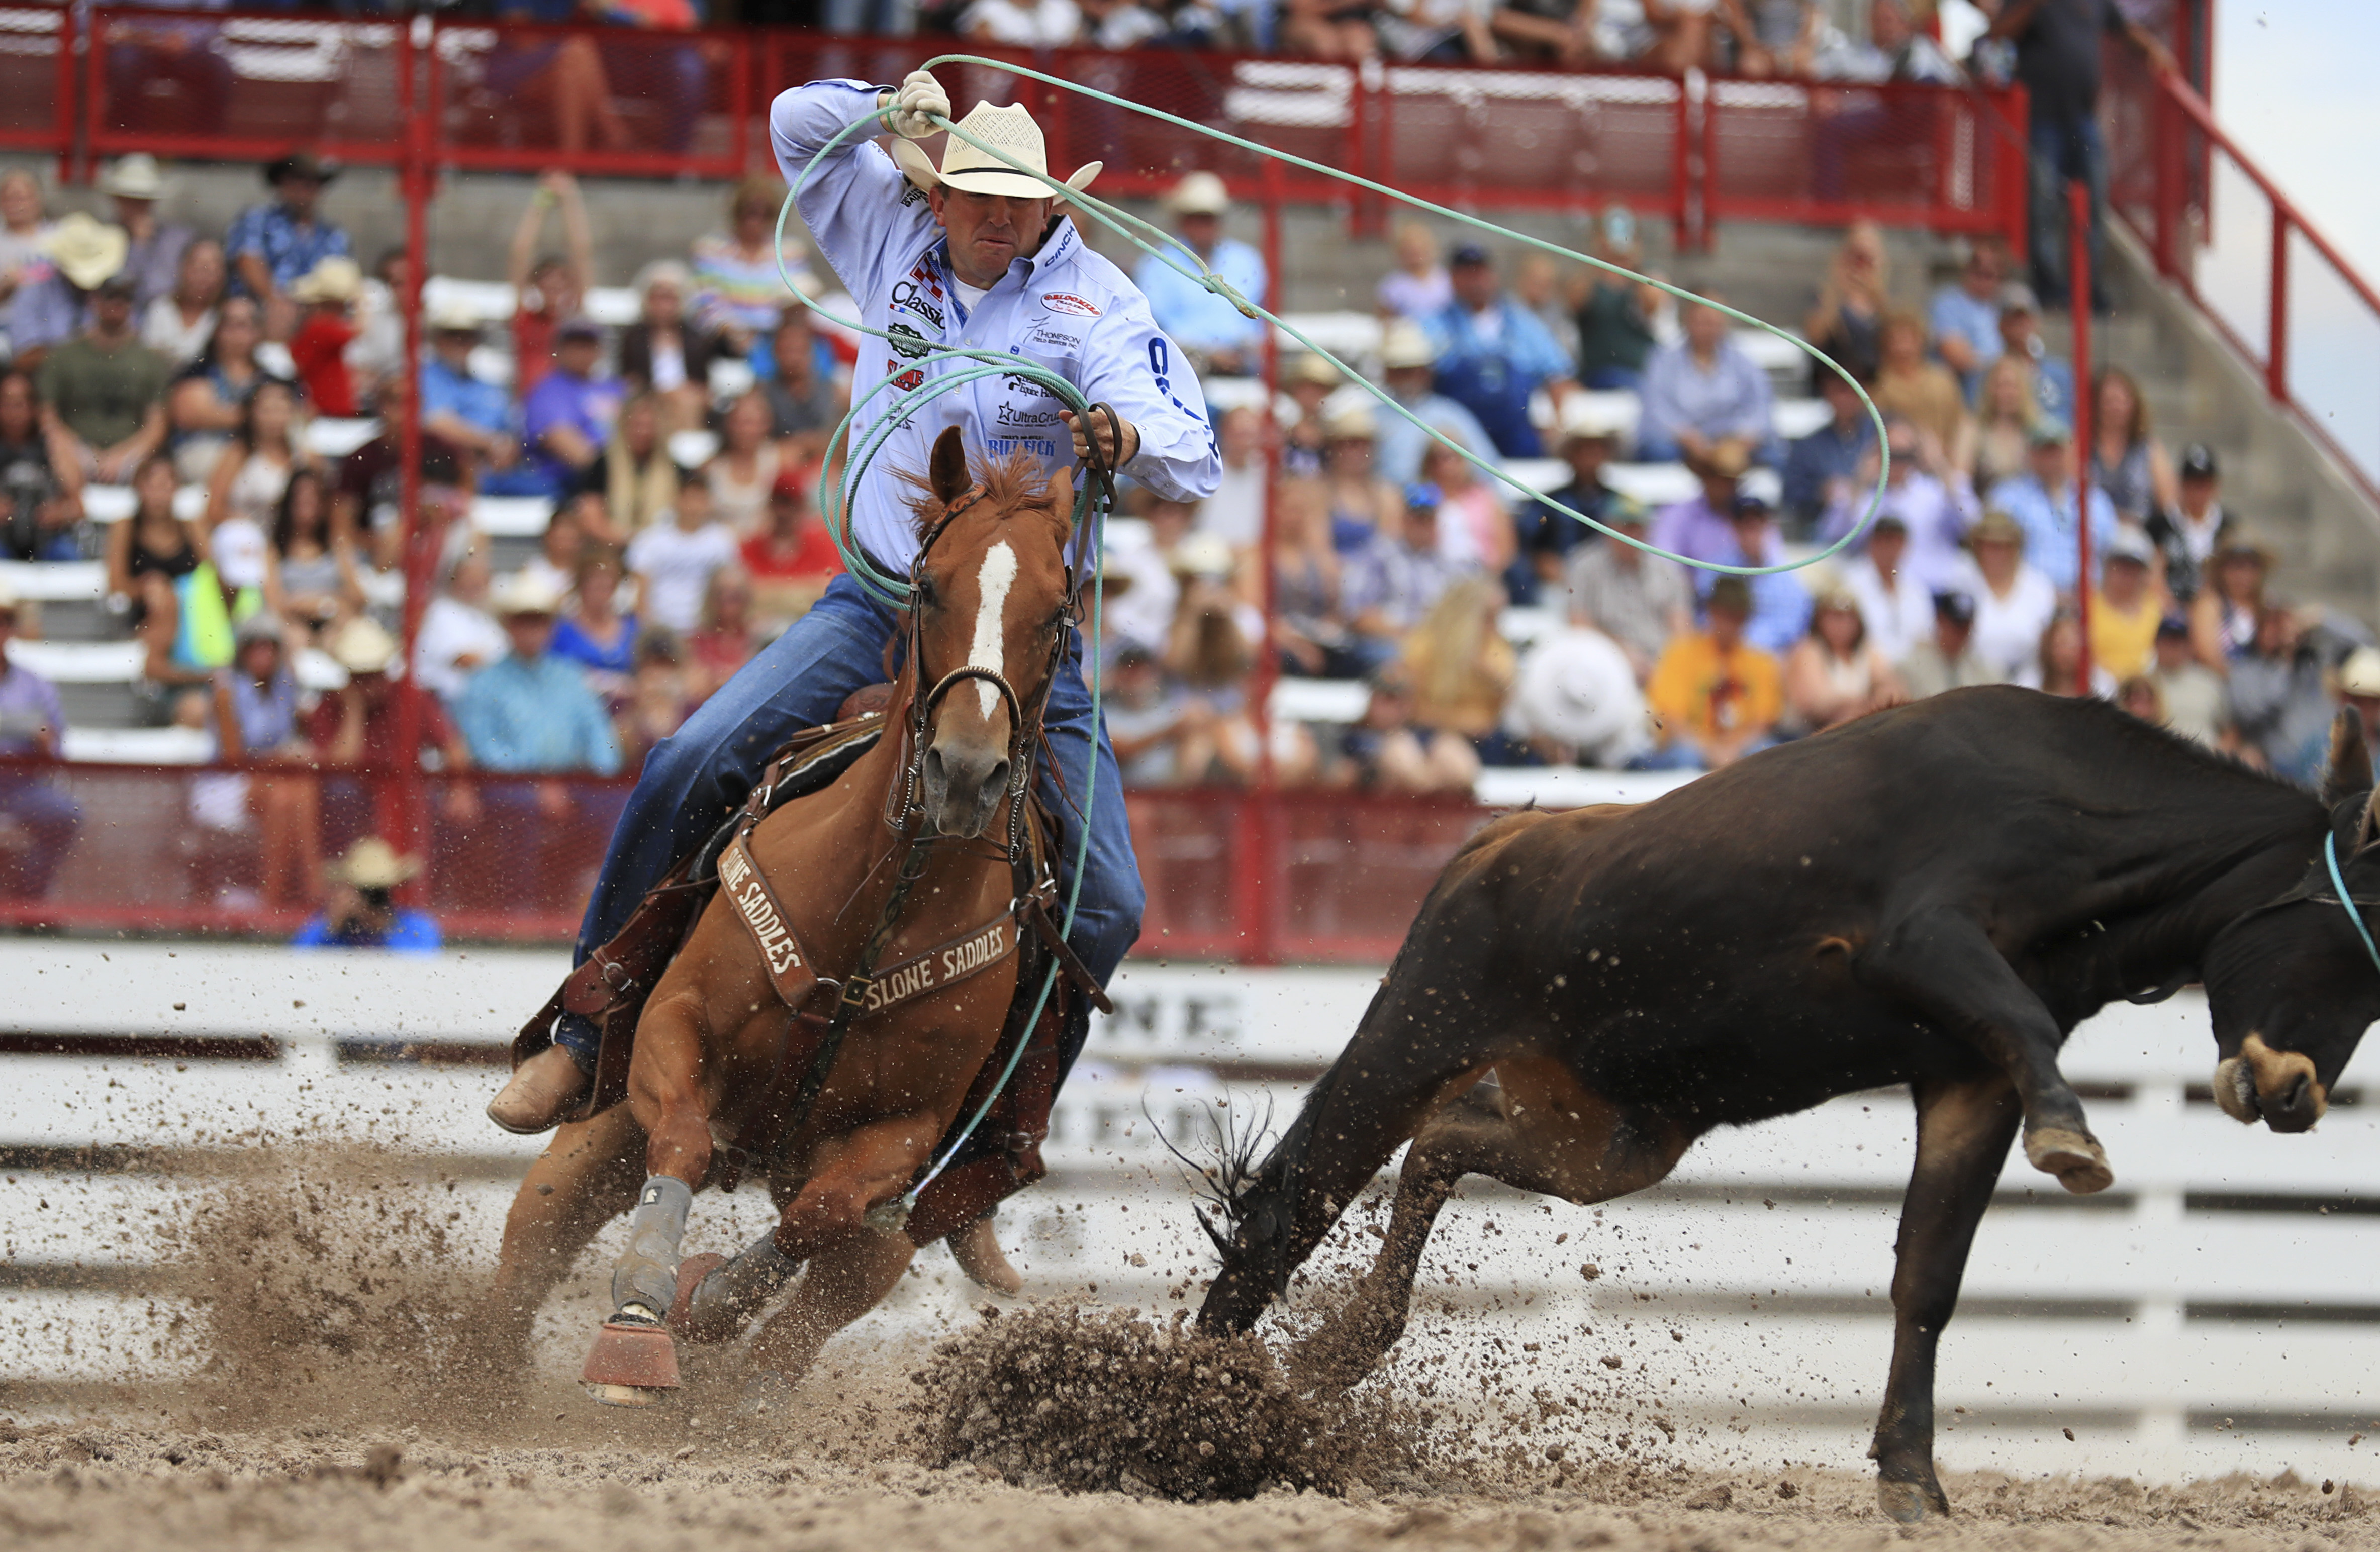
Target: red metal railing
{"points": [[1292, 876], [2276, 291], [210, 85]]}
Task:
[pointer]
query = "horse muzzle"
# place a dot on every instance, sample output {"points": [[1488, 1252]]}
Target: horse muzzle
{"points": [[963, 788], [2276, 1087]]}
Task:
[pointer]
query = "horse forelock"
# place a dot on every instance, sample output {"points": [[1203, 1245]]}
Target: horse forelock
{"points": [[1012, 483]]}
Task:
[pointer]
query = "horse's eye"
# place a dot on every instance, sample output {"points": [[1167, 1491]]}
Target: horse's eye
{"points": [[926, 595]]}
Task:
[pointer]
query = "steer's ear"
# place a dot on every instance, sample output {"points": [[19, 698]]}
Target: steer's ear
{"points": [[2349, 771], [948, 475]]}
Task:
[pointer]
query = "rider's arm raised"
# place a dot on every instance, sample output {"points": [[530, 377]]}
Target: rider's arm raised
{"points": [[857, 203]]}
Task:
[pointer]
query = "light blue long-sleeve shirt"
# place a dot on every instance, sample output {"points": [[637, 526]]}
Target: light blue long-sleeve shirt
{"points": [[1733, 399], [2050, 528], [1400, 445], [1066, 309], [1194, 315], [524, 716]]}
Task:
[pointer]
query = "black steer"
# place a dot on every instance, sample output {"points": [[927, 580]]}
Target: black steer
{"points": [[1935, 895]]}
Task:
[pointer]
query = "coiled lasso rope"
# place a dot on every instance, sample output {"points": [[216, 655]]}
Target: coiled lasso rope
{"points": [[896, 591]]}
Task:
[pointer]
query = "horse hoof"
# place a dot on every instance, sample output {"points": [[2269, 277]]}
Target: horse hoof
{"points": [[1906, 1502], [2076, 1160], [682, 1318], [631, 1363]]}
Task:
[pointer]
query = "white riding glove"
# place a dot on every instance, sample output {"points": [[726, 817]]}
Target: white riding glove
{"points": [[914, 103]]}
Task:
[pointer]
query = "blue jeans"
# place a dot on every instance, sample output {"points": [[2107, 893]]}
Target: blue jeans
{"points": [[2063, 154], [693, 780]]}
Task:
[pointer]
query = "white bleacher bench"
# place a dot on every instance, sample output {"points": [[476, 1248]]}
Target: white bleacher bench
{"points": [[113, 504], [53, 581], [1795, 418], [1569, 787], [335, 437], [165, 745], [1525, 626], [80, 662], [511, 516], [1319, 700]]}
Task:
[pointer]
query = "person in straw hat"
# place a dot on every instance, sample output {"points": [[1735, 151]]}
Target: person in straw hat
{"points": [[967, 252], [82, 252], [103, 392], [327, 293], [1226, 341], [357, 727], [133, 185], [362, 912], [1406, 361]]}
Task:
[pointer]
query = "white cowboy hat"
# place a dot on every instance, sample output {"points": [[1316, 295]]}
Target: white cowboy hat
{"points": [[970, 171], [1202, 193], [133, 177], [527, 592], [1406, 344], [363, 645], [330, 280], [451, 315], [87, 250], [372, 863]]}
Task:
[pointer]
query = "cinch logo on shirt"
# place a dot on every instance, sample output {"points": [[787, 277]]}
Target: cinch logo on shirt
{"points": [[1066, 301]]}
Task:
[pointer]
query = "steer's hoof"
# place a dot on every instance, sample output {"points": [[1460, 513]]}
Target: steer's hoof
{"points": [[682, 1317], [2076, 1160], [633, 1363], [1909, 1502]]}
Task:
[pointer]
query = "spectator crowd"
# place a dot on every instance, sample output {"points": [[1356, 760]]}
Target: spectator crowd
{"points": [[217, 420]]}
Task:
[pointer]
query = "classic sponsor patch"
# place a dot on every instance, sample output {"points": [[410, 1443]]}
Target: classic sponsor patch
{"points": [[1067, 302], [911, 298]]}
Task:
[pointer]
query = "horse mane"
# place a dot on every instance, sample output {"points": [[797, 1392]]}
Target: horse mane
{"points": [[1012, 483]]}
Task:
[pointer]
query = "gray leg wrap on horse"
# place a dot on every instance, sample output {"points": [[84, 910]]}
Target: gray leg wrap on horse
{"points": [[646, 1275], [739, 1288]]}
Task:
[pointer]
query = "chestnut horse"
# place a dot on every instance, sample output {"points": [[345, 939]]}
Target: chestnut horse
{"points": [[909, 881]]}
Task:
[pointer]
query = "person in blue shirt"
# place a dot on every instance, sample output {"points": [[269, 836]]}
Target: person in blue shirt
{"points": [[270, 244], [2042, 502], [567, 420], [1222, 340], [1965, 318], [1781, 604], [532, 713], [1398, 445], [362, 912], [1493, 354], [533, 716], [471, 412], [1819, 467]]}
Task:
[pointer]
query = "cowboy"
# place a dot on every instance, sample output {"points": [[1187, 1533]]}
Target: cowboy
{"points": [[971, 254], [83, 252], [270, 244]]}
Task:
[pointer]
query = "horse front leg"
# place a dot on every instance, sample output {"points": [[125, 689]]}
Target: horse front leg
{"points": [[586, 1177], [634, 1362]]}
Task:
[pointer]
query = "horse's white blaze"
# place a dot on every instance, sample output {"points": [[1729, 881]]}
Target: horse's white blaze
{"points": [[992, 603]]}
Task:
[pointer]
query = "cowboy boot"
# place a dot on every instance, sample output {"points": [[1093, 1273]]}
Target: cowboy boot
{"points": [[541, 1089]]}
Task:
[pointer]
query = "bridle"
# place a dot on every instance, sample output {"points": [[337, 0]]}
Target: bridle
{"points": [[904, 807], [2307, 889]]}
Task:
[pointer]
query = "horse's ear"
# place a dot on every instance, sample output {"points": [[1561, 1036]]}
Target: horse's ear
{"points": [[948, 471], [2369, 829], [2349, 769], [1062, 504]]}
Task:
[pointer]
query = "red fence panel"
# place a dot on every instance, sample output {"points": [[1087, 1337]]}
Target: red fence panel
{"points": [[212, 86], [594, 100], [37, 79], [1786, 150]]}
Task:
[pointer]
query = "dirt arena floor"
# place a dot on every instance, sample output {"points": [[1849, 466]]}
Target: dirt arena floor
{"points": [[181, 1489], [328, 1407]]}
